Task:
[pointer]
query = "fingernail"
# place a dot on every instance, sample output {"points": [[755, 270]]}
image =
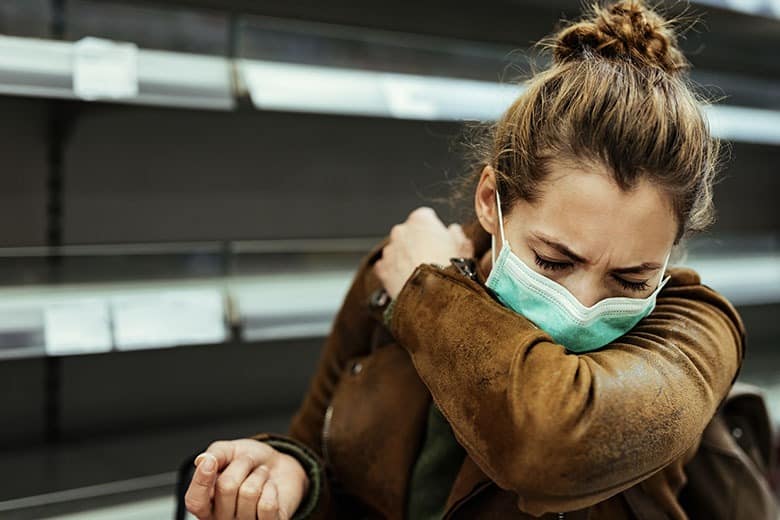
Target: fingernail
{"points": [[197, 459], [208, 464]]}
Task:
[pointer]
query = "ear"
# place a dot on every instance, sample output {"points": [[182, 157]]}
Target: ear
{"points": [[485, 201]]}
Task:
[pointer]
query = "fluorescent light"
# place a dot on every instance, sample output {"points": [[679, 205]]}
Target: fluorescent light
{"points": [[768, 8], [311, 88], [32, 67], [749, 280], [44, 68], [176, 79], [414, 97], [304, 88], [288, 305], [746, 124]]}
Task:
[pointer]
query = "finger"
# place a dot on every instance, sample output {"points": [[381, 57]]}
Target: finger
{"points": [[423, 212], [228, 484], [268, 505], [290, 490], [249, 493], [222, 451], [395, 232], [198, 496]]}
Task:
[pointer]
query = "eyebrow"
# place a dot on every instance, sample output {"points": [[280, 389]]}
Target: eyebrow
{"points": [[564, 250], [641, 268], [561, 248]]}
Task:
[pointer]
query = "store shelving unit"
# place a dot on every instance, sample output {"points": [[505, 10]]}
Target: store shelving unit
{"points": [[43, 68], [280, 304], [217, 241]]}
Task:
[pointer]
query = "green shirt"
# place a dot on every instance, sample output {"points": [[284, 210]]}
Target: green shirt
{"points": [[435, 470]]}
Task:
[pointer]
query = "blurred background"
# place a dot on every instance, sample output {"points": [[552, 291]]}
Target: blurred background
{"points": [[187, 187]]}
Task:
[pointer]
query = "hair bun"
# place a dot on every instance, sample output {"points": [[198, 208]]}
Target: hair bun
{"points": [[626, 29]]}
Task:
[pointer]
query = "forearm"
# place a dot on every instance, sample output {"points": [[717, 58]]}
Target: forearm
{"points": [[567, 430]]}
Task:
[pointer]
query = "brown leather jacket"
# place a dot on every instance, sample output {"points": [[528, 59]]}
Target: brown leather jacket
{"points": [[594, 435]]}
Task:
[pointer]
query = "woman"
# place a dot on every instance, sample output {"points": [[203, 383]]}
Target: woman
{"points": [[562, 371]]}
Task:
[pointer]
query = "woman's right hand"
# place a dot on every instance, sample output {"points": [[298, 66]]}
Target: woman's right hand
{"points": [[245, 479]]}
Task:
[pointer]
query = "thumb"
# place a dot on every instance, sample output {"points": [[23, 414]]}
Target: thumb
{"points": [[199, 494]]}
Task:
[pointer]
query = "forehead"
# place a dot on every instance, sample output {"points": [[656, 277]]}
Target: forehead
{"points": [[586, 210]]}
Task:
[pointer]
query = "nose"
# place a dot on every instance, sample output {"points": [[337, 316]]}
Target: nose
{"points": [[586, 290]]}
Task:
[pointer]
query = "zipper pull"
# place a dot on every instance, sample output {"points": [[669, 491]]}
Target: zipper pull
{"points": [[466, 266]]}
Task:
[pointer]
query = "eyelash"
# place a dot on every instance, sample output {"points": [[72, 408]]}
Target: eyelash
{"points": [[631, 286], [551, 266], [559, 266]]}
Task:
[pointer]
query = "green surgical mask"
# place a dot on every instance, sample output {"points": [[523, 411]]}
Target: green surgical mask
{"points": [[557, 311]]}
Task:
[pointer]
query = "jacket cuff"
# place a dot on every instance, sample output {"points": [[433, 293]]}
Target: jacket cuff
{"points": [[310, 463]]}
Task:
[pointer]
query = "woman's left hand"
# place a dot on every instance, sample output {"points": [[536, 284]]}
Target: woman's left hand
{"points": [[421, 239]]}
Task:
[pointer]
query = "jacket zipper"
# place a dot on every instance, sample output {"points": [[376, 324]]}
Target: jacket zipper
{"points": [[326, 433], [459, 503]]}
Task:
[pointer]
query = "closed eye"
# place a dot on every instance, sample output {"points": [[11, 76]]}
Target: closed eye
{"points": [[554, 265], [631, 286], [550, 265]]}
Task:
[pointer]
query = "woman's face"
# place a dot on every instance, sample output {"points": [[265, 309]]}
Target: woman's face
{"points": [[586, 233]]}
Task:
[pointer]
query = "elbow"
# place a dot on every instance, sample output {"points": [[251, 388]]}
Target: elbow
{"points": [[575, 466], [552, 470], [562, 477], [568, 463]]}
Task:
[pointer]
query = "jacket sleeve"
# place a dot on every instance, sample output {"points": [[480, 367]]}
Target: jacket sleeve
{"points": [[565, 431], [349, 337]]}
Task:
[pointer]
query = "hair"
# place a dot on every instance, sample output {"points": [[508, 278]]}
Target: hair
{"points": [[617, 96]]}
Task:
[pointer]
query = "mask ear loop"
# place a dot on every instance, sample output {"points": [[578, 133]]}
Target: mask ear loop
{"points": [[662, 280], [500, 227]]}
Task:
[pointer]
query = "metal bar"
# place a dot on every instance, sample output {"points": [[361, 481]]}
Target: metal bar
{"points": [[87, 492]]}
